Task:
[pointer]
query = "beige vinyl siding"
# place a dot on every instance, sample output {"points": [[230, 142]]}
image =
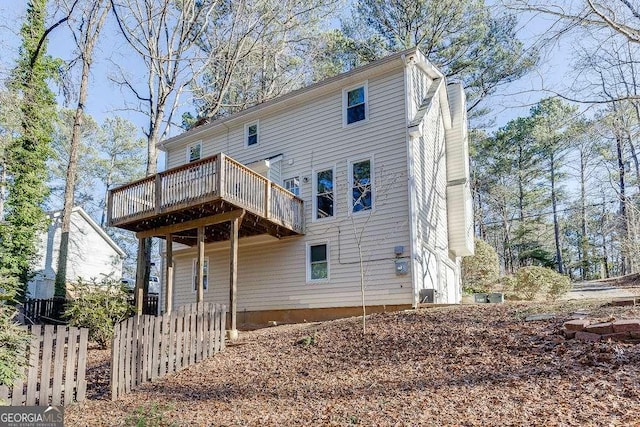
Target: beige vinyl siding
{"points": [[429, 170], [311, 137], [420, 84], [459, 201], [460, 219], [457, 145], [272, 276]]}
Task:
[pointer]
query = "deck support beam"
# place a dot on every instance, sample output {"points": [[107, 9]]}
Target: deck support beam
{"points": [[190, 225], [141, 265], [200, 265], [168, 294], [233, 277]]}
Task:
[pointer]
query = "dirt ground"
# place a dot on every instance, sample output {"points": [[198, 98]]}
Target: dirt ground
{"points": [[453, 366], [628, 281]]}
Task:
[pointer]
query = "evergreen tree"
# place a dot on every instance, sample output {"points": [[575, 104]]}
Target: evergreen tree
{"points": [[27, 154], [462, 38], [554, 123]]}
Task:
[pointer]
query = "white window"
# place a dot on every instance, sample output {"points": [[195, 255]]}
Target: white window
{"points": [[205, 275], [324, 193], [361, 183], [318, 262], [355, 104], [194, 152], [251, 134], [293, 185]]}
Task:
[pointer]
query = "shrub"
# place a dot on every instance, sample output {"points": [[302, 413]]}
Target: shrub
{"points": [[536, 282], [480, 271], [98, 307], [506, 285], [13, 343]]}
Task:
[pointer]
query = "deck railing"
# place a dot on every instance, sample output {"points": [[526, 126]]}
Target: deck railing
{"points": [[208, 179]]}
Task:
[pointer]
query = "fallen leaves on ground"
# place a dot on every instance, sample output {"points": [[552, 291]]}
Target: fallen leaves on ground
{"points": [[460, 366]]}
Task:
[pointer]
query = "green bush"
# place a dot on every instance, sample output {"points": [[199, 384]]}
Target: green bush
{"points": [[13, 344], [98, 307], [481, 271], [540, 282]]}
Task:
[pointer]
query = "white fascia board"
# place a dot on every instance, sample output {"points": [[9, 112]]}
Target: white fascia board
{"points": [[434, 73]]}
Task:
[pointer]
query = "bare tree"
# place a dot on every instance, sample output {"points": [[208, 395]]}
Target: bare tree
{"points": [[597, 27], [85, 28], [365, 191], [618, 16], [163, 34], [257, 51]]}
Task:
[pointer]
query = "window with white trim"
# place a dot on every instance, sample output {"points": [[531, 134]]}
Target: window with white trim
{"points": [[355, 104], [205, 275], [194, 152], [318, 262], [292, 185], [324, 193], [251, 134], [361, 183]]}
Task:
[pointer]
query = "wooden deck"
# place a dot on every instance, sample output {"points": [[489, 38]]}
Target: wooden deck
{"points": [[210, 187]]}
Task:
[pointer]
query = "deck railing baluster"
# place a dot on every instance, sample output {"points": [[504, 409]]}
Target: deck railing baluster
{"points": [[199, 181]]}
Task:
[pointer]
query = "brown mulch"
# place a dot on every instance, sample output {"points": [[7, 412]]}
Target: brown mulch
{"points": [[460, 366]]}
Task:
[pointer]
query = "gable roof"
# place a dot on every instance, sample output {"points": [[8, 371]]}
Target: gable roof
{"points": [[93, 225], [301, 95]]}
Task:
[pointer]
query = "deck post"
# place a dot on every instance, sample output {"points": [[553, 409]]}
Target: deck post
{"points": [[200, 265], [168, 295], [233, 278], [139, 289]]}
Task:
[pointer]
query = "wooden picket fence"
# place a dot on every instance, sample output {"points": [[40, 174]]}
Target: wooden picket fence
{"points": [[148, 347], [57, 364]]}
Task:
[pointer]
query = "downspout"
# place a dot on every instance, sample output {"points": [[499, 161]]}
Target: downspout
{"points": [[413, 249]]}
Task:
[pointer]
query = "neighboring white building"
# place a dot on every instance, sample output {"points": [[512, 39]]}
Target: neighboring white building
{"points": [[381, 150], [92, 254]]}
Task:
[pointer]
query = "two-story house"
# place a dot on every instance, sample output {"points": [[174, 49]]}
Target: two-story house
{"points": [[281, 209], [92, 254]]}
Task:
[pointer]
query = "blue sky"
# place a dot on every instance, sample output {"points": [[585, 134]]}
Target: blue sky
{"points": [[105, 98]]}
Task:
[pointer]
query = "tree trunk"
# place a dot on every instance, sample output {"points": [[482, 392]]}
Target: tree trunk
{"points": [[103, 220], [95, 21], [554, 205], [605, 254], [584, 242], [70, 184], [623, 204]]}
